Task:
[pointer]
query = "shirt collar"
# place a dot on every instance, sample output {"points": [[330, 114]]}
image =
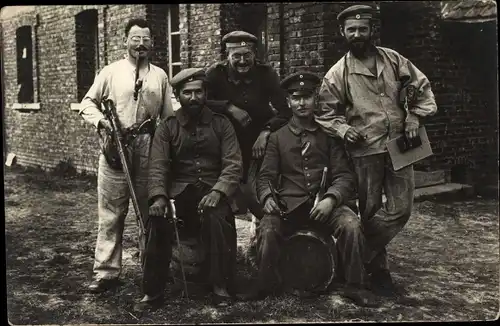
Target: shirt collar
{"points": [[233, 77], [297, 129], [357, 67], [205, 116]]}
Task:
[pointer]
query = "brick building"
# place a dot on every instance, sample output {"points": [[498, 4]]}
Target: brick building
{"points": [[50, 55]]}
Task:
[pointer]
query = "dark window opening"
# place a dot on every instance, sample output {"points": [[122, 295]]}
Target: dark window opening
{"points": [[87, 49], [24, 48]]}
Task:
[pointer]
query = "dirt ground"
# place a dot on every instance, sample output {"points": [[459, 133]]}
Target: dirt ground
{"points": [[447, 260]]}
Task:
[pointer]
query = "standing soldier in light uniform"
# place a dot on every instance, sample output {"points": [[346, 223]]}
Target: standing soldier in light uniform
{"points": [[117, 82], [360, 103]]}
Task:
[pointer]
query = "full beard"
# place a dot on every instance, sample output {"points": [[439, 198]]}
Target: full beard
{"points": [[360, 48]]}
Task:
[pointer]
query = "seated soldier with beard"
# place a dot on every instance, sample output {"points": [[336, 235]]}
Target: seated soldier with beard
{"points": [[196, 160]]}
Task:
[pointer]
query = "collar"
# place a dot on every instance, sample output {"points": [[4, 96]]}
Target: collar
{"points": [[296, 129], [205, 116], [357, 67], [233, 77], [133, 67]]}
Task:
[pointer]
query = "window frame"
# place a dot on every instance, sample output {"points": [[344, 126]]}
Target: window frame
{"points": [[171, 33]]}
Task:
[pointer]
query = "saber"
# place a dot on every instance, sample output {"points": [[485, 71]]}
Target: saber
{"points": [[174, 221]]}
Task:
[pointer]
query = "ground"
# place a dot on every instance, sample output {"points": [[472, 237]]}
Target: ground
{"points": [[447, 259]]}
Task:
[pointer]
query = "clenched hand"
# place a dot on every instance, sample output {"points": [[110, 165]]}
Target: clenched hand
{"points": [[158, 207], [271, 207], [353, 135]]}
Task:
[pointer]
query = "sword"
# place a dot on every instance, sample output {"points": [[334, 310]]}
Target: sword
{"points": [[174, 221]]}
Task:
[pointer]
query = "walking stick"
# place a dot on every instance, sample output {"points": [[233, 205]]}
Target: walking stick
{"points": [[174, 221]]}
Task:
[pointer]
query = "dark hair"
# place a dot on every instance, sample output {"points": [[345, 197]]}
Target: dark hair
{"points": [[177, 89], [142, 23]]}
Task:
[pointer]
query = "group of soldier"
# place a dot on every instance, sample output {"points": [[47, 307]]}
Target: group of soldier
{"points": [[238, 130]]}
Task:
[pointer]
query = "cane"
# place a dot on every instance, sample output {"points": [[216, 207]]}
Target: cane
{"points": [[174, 221]]}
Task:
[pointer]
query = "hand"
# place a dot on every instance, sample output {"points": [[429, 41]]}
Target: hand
{"points": [[321, 212], [270, 206], [239, 115], [104, 123], [259, 147], [411, 130], [210, 200], [353, 135], [158, 207]]}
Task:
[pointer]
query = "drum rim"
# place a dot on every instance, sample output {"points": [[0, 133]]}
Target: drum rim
{"points": [[321, 238]]}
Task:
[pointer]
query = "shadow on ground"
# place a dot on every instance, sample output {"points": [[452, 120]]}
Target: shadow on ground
{"points": [[447, 260]]}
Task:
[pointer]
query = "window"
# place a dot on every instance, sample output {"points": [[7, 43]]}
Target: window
{"points": [[87, 50], [24, 48], [174, 41]]}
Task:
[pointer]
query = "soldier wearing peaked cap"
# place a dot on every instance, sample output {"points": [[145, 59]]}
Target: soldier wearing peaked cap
{"points": [[297, 154], [360, 102], [195, 159], [244, 90]]}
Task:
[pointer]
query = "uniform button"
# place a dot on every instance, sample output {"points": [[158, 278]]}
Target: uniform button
{"points": [[308, 175], [306, 168], [382, 94], [199, 170], [197, 163], [200, 179], [306, 158], [308, 183]]}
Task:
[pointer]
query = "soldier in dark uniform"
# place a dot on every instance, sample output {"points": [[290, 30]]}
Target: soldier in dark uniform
{"points": [[297, 154], [243, 88], [195, 159]]}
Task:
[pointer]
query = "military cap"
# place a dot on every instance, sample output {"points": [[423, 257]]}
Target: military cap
{"points": [[356, 12], [239, 39], [301, 81], [187, 75]]}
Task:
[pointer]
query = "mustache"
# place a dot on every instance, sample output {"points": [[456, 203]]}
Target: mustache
{"points": [[141, 48]]}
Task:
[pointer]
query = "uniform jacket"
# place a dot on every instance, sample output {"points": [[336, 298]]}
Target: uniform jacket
{"points": [[300, 175]]}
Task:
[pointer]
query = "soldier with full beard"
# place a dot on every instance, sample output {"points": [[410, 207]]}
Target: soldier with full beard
{"points": [[360, 103]]}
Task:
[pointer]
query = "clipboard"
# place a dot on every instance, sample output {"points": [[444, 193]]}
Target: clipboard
{"points": [[401, 160]]}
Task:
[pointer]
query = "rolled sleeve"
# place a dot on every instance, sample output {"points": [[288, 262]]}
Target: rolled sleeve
{"points": [[425, 102], [91, 102], [232, 164], [332, 104]]}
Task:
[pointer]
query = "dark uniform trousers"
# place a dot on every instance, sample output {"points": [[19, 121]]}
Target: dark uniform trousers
{"points": [[345, 227], [215, 228]]}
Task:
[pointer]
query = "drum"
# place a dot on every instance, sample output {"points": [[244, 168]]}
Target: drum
{"points": [[308, 261]]}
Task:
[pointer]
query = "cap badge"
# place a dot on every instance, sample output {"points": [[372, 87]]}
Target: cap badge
{"points": [[358, 16], [243, 43], [190, 79], [301, 83]]}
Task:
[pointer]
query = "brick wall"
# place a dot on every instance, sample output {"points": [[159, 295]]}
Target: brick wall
{"points": [[204, 34], [463, 132], [55, 133]]}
